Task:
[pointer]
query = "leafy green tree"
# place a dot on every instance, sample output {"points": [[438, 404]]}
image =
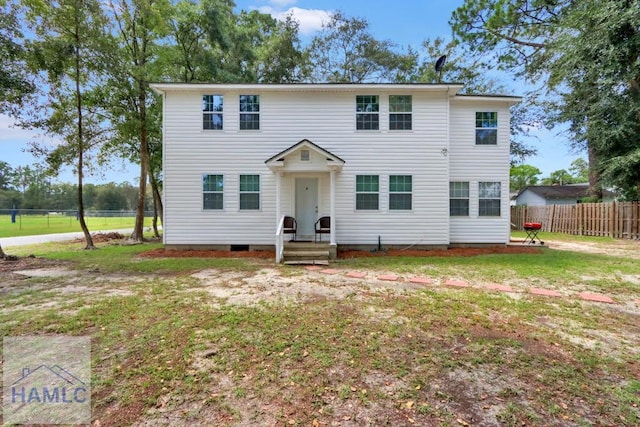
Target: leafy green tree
{"points": [[346, 52], [141, 27], [585, 54], [10, 199], [522, 176], [89, 192], [155, 176], [280, 57], [6, 175], [509, 34], [458, 67], [15, 79], [110, 197], [260, 49], [69, 36], [22, 177], [559, 177], [63, 196], [598, 79], [14, 84], [579, 169], [36, 195], [200, 35]]}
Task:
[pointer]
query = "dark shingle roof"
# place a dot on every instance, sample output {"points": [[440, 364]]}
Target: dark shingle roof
{"points": [[559, 191]]}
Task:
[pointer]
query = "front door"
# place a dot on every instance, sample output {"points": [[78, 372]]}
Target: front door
{"points": [[306, 206]]}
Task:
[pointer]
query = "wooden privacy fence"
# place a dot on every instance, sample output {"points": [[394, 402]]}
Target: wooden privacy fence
{"points": [[614, 219]]}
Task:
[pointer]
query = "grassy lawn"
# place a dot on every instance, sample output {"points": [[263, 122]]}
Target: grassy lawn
{"points": [[230, 341], [29, 225]]}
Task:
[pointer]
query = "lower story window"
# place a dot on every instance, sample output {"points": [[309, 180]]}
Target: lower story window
{"points": [[249, 192], [212, 192], [367, 192], [400, 188], [458, 198], [489, 199]]}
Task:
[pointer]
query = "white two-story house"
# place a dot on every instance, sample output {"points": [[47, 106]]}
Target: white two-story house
{"points": [[402, 165]]}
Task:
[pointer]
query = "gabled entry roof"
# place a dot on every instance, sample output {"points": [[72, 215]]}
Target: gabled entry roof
{"points": [[330, 160]]}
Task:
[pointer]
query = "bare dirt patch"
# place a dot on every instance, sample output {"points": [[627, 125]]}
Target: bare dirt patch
{"points": [[102, 237], [619, 247], [27, 263], [268, 284]]}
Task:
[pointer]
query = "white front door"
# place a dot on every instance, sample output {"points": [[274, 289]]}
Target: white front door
{"points": [[306, 206]]}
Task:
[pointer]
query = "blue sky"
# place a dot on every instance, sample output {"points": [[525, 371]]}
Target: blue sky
{"points": [[404, 22]]}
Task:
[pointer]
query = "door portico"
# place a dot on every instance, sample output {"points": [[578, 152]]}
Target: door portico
{"points": [[305, 165]]}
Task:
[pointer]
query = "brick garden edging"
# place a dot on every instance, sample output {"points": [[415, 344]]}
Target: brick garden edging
{"points": [[456, 283]]}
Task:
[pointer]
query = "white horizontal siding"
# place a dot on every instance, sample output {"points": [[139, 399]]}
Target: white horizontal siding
{"points": [[328, 120], [473, 163]]}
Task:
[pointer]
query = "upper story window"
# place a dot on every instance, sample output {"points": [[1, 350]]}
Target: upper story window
{"points": [[400, 189], [212, 106], [367, 112], [249, 112], [212, 192], [486, 128], [249, 192], [367, 192], [458, 198], [489, 199], [400, 107]]}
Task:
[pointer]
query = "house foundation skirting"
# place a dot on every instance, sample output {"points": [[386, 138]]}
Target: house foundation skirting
{"points": [[478, 245], [372, 248], [226, 247], [333, 249]]}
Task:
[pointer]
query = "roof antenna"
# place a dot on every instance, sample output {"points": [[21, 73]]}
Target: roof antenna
{"points": [[440, 66]]}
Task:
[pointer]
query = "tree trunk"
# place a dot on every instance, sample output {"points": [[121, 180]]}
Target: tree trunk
{"points": [[595, 187], [154, 220], [2, 254], [137, 234], [83, 224], [158, 210]]}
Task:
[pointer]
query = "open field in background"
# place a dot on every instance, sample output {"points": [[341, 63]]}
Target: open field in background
{"points": [[30, 225], [241, 341]]}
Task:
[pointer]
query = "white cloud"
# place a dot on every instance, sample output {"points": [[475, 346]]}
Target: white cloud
{"points": [[11, 133], [310, 20]]}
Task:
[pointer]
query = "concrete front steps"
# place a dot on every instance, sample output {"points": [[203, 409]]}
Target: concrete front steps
{"points": [[306, 253]]}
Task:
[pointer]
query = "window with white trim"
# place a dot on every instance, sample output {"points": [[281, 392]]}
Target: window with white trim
{"points": [[487, 128], [367, 112], [249, 192], [400, 192], [249, 112], [367, 192], [489, 198], [400, 107], [212, 107], [212, 192], [458, 198]]}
